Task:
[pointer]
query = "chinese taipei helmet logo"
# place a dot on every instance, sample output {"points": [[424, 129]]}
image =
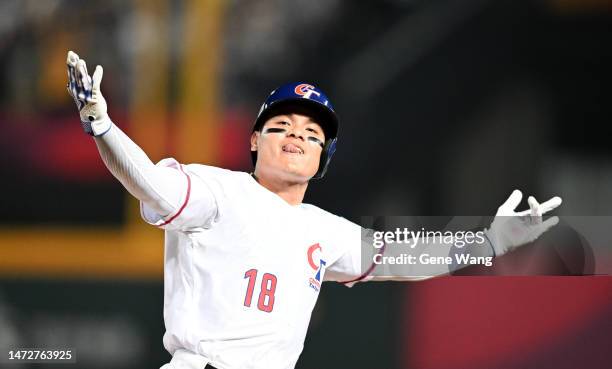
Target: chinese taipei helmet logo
{"points": [[306, 91], [315, 282]]}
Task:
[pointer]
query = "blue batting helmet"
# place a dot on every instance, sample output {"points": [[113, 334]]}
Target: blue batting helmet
{"points": [[312, 98]]}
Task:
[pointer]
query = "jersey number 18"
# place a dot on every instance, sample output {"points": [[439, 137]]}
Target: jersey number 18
{"points": [[266, 296]]}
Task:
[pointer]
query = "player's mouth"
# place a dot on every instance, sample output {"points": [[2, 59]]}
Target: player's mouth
{"points": [[293, 149]]}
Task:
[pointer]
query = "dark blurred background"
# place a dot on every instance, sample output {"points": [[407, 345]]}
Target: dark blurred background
{"points": [[445, 107]]}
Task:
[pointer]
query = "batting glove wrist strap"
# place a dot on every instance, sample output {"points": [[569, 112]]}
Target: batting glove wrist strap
{"points": [[494, 251], [97, 127]]}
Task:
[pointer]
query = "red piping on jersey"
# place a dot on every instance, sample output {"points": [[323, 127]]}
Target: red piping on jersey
{"points": [[186, 198], [370, 269]]}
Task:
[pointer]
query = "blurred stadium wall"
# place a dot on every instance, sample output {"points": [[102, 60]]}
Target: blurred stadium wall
{"points": [[445, 107]]}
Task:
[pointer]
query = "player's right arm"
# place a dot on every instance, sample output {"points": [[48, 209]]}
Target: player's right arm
{"points": [[162, 189]]}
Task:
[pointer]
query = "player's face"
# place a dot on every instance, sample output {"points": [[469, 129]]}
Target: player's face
{"points": [[289, 146]]}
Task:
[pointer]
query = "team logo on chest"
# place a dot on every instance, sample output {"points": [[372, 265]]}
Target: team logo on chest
{"points": [[316, 263]]}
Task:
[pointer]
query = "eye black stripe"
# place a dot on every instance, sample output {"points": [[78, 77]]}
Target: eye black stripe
{"points": [[275, 130], [316, 140]]}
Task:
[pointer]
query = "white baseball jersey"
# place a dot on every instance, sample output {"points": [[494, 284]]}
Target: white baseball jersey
{"points": [[243, 268]]}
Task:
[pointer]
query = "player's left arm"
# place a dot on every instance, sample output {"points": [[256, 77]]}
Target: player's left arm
{"points": [[510, 229]]}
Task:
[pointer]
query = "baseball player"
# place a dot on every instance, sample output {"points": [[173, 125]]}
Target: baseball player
{"points": [[244, 256]]}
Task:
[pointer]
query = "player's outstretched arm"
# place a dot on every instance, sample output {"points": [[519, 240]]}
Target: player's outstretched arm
{"points": [[154, 186], [510, 229]]}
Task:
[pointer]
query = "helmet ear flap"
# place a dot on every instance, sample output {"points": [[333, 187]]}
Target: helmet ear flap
{"points": [[326, 155]]}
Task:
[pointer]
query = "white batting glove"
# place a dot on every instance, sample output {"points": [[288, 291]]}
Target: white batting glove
{"points": [[87, 95], [511, 229]]}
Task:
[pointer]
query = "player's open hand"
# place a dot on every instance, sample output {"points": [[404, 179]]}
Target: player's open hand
{"points": [[86, 93], [511, 229]]}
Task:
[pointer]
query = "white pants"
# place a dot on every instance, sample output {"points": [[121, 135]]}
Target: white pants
{"points": [[183, 359]]}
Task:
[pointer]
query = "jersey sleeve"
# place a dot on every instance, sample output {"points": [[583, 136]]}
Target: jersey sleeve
{"points": [[198, 208], [348, 267]]}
